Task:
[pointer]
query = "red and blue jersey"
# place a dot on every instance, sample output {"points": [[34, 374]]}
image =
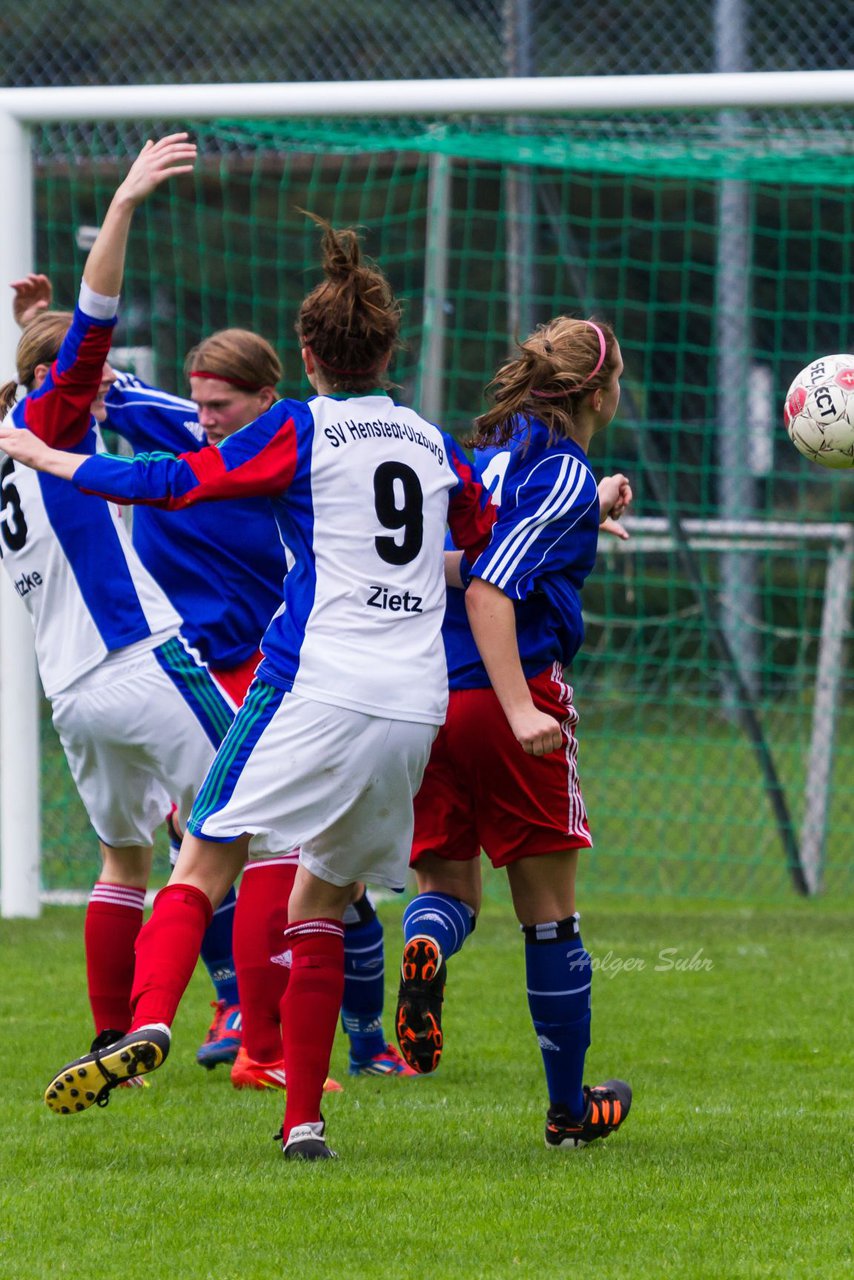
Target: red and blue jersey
{"points": [[542, 548], [362, 489], [68, 555], [221, 566]]}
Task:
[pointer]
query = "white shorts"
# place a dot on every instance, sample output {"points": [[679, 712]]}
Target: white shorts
{"points": [[336, 782], [139, 733]]}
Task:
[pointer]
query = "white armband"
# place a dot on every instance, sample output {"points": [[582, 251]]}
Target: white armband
{"points": [[97, 305]]}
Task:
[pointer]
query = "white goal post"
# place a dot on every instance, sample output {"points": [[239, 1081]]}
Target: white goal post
{"points": [[22, 108]]}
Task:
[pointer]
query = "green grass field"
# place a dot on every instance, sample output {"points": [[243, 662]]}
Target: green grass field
{"points": [[734, 1162]]}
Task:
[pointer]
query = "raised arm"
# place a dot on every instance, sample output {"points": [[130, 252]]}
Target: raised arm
{"points": [[156, 162], [58, 408]]}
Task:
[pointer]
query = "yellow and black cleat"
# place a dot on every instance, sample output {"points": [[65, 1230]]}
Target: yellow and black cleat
{"points": [[89, 1080]]}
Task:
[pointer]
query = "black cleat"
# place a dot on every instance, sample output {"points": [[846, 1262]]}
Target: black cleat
{"points": [[110, 1062], [418, 1022], [306, 1142], [607, 1107]]}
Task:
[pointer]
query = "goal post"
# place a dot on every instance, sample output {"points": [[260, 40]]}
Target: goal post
{"points": [[625, 177]]}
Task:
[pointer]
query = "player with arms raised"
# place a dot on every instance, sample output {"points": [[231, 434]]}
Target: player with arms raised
{"points": [[330, 745]]}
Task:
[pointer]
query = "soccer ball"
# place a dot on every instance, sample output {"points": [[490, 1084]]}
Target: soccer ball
{"points": [[819, 411]]}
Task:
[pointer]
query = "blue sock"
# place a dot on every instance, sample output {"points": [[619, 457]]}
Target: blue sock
{"points": [[216, 950], [559, 975], [364, 980], [439, 916]]}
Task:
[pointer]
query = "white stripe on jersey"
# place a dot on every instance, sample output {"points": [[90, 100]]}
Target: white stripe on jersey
{"points": [[564, 493]]}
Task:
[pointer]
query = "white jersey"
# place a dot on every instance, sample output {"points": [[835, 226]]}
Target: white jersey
{"points": [[68, 555], [362, 490]]}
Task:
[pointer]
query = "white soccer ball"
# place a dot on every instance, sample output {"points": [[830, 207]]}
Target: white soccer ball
{"points": [[819, 411]]}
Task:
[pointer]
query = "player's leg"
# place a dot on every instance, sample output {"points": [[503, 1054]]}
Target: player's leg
{"points": [[113, 920], [559, 975], [167, 950], [260, 920], [310, 1007], [535, 827], [436, 923], [222, 1042], [446, 858], [366, 836], [364, 992]]}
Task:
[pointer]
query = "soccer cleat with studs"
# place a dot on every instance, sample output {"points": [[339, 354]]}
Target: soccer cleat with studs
{"points": [[222, 1041], [249, 1074], [90, 1079], [306, 1142], [387, 1063], [418, 1022], [607, 1107]]}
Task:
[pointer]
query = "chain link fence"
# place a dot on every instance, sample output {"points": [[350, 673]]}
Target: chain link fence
{"points": [[158, 42]]}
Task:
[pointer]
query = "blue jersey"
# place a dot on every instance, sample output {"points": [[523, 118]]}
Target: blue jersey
{"points": [[222, 567], [543, 546], [362, 489]]}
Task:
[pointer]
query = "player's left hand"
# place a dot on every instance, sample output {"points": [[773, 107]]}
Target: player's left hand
{"points": [[615, 496], [537, 733], [33, 294]]}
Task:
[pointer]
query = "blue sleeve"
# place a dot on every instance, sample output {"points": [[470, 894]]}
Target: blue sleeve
{"points": [[150, 419], [548, 522], [258, 461]]}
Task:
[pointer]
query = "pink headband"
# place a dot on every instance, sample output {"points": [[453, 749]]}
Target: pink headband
{"points": [[561, 395]]}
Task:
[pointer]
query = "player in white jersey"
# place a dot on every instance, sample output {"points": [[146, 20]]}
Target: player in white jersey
{"points": [[331, 742], [111, 657], [226, 589]]}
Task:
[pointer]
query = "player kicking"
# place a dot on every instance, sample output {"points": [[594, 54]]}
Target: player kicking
{"points": [[111, 658], [332, 740], [502, 774]]}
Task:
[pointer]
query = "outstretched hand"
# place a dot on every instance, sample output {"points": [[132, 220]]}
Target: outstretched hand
{"points": [[33, 295], [23, 446], [156, 162]]}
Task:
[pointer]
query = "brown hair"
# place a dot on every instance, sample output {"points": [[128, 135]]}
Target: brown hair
{"points": [[554, 371], [238, 356], [38, 344], [350, 322]]}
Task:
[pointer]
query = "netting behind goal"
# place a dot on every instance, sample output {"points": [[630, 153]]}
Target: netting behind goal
{"points": [[722, 253]]}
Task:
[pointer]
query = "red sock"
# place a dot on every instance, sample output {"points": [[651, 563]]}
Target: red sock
{"points": [[310, 1011], [113, 920], [260, 919], [166, 953]]}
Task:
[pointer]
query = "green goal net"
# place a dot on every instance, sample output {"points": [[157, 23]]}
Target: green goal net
{"points": [[716, 731]]}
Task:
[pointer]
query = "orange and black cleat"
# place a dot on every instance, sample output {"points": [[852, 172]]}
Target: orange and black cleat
{"points": [[419, 1004], [607, 1107]]}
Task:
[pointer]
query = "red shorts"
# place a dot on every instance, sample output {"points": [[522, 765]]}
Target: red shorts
{"points": [[235, 681], [481, 790]]}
